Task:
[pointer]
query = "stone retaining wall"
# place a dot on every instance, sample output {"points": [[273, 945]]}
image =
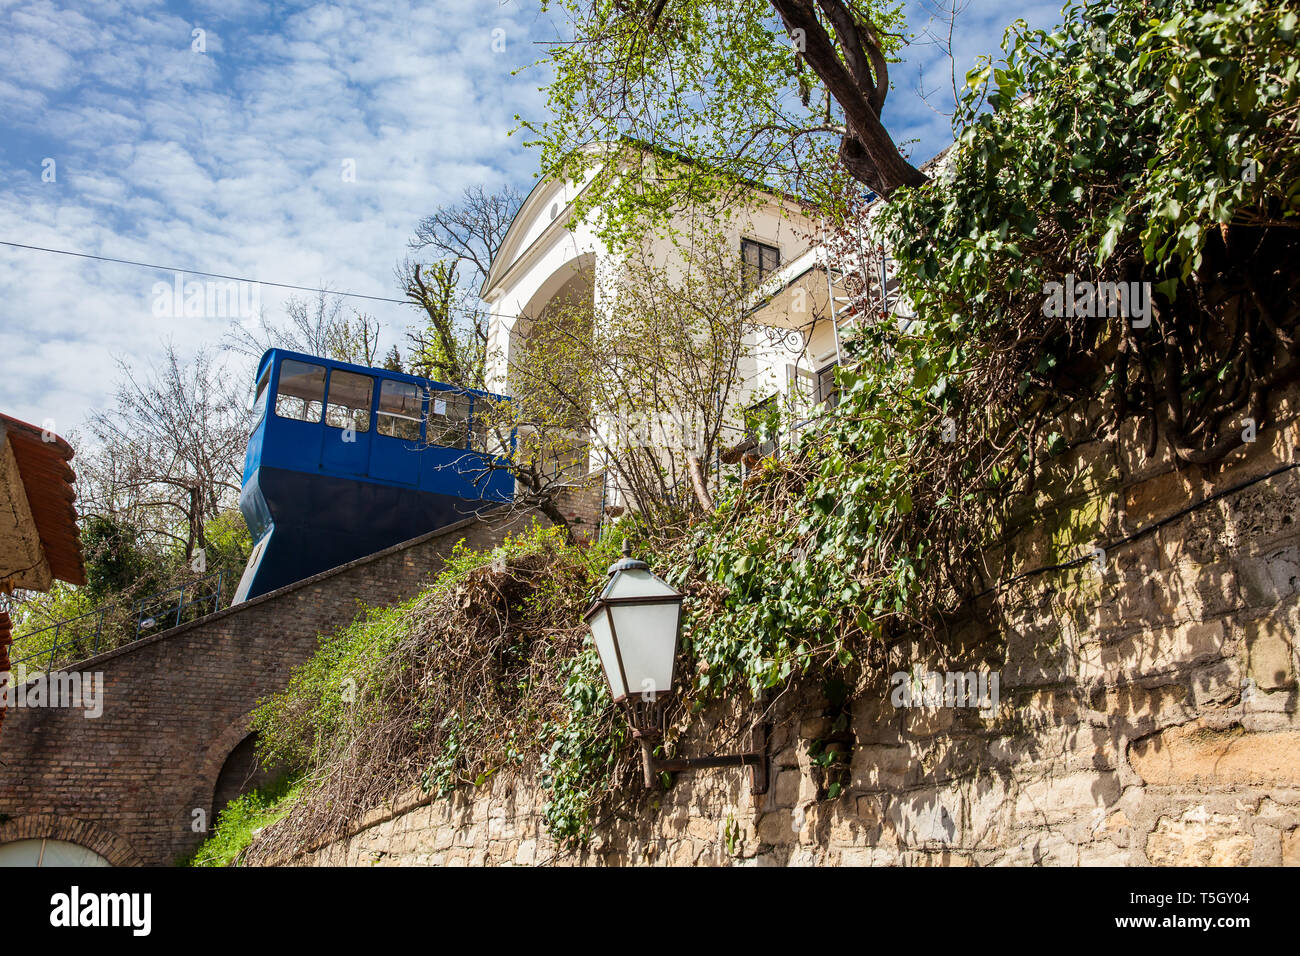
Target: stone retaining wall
{"points": [[1147, 710]]}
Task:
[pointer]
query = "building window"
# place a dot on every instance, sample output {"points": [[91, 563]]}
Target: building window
{"points": [[760, 260], [301, 392], [398, 415], [349, 401], [762, 421], [827, 390]]}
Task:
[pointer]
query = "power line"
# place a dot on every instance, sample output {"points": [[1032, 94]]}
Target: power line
{"points": [[196, 272]]}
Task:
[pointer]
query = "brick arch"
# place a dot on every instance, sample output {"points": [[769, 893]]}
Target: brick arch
{"points": [[214, 758], [92, 836]]}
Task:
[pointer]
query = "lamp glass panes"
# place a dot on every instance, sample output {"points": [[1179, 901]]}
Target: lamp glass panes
{"points": [[635, 625]]}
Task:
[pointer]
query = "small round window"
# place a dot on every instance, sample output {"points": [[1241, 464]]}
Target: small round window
{"points": [[555, 209]]}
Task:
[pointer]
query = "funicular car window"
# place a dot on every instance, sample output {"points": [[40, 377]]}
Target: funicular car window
{"points": [[301, 392], [485, 419], [259, 401], [449, 419], [349, 400], [398, 415]]}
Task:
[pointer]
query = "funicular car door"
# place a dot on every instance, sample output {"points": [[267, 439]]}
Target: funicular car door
{"points": [[395, 448], [345, 447]]}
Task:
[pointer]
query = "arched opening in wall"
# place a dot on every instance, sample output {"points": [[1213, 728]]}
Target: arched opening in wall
{"points": [[550, 355], [48, 852], [241, 774]]}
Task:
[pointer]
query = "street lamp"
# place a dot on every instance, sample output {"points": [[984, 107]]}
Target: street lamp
{"points": [[635, 623]]}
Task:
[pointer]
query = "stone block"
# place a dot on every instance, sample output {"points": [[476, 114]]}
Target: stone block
{"points": [[927, 816], [1270, 651], [1270, 578], [1197, 755], [1199, 838], [1081, 797], [777, 828], [1150, 653], [879, 767], [1291, 848], [785, 793], [1161, 495]]}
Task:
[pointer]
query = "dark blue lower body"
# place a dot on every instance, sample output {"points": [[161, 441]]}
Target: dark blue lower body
{"points": [[304, 524]]}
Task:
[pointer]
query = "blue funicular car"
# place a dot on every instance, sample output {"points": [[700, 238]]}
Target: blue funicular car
{"points": [[345, 460]]}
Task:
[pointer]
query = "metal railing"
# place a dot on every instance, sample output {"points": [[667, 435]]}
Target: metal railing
{"points": [[110, 626]]}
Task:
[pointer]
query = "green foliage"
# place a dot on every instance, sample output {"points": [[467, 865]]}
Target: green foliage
{"points": [[238, 822], [228, 546], [582, 749], [296, 728], [122, 568], [1136, 129], [401, 685], [1129, 154], [449, 344], [1124, 162], [713, 98], [116, 559]]}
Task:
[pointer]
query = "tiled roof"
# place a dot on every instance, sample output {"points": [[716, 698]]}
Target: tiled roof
{"points": [[47, 479]]}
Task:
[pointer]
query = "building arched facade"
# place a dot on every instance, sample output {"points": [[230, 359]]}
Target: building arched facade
{"points": [[550, 255]]}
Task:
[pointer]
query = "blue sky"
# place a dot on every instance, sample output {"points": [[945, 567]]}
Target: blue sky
{"points": [[232, 159]]}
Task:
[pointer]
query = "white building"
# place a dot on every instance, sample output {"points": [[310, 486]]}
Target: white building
{"points": [[549, 257]]}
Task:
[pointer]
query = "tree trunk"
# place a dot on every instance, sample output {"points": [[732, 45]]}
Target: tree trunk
{"points": [[859, 82], [698, 483], [546, 505]]}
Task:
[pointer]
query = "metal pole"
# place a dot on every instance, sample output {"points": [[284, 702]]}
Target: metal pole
{"points": [[830, 294]]}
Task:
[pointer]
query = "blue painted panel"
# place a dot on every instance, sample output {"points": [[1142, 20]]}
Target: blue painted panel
{"points": [[344, 452], [252, 457], [321, 522], [395, 459]]}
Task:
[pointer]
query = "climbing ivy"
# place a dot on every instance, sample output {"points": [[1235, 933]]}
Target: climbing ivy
{"points": [[1145, 140]]}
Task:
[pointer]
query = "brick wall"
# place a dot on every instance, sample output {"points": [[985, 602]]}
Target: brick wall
{"points": [[176, 705], [582, 505], [1147, 713]]}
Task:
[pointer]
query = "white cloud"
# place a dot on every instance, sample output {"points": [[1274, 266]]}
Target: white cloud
{"points": [[229, 161]]}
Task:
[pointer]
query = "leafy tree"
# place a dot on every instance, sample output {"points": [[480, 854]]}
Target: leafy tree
{"points": [[451, 345], [1145, 141], [173, 447], [708, 96], [649, 384], [455, 247], [528, 435], [116, 561]]}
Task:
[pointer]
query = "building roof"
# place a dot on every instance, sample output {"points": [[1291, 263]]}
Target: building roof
{"points": [[39, 541]]}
